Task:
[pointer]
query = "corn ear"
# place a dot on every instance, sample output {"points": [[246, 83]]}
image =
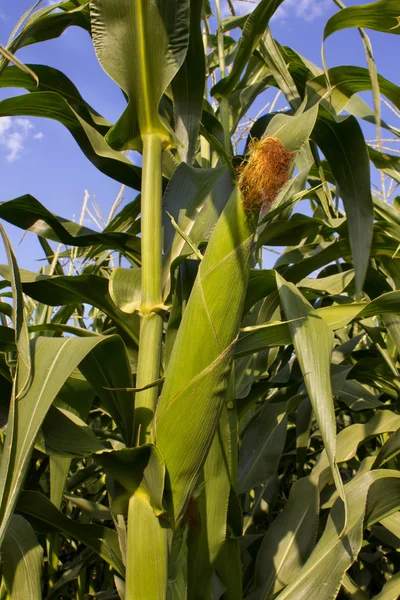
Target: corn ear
{"points": [[198, 371]]}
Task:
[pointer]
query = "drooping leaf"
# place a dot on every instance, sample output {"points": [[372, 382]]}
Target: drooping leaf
{"points": [[349, 439], [345, 81], [390, 590], [53, 80], [262, 446], [333, 284], [22, 560], [313, 342], [289, 540], [64, 434], [45, 517], [60, 290], [107, 367], [323, 572], [29, 214], [344, 147], [140, 470], [51, 105], [53, 360], [380, 16]]}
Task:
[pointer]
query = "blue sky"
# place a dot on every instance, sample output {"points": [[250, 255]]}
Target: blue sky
{"points": [[40, 157]]}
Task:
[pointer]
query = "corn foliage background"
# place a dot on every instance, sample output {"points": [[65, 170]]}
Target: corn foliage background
{"points": [[214, 429]]}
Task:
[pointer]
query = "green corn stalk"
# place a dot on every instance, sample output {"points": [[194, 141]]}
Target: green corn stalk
{"points": [[142, 34], [124, 34]]}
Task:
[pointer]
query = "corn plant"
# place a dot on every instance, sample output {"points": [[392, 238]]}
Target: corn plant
{"points": [[189, 424]]}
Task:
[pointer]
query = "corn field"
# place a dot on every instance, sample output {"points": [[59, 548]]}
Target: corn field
{"points": [[177, 421]]}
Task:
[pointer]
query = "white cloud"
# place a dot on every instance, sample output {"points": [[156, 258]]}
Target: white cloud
{"points": [[15, 145], [23, 124], [241, 7], [5, 124], [13, 135], [302, 9], [38, 136], [2, 16]]}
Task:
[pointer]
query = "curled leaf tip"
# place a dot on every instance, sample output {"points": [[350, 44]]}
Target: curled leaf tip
{"points": [[264, 174]]}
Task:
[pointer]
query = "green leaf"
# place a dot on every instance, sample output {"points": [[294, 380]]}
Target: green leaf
{"points": [[124, 34], [390, 449], [184, 198], [18, 316], [140, 470], [44, 516], [289, 231], [344, 147], [53, 360], [125, 289], [92, 509], [212, 209], [333, 284], [107, 367], [387, 163], [390, 590], [322, 574], [59, 469], [289, 540], [392, 523], [387, 303], [256, 339], [262, 446], [293, 131], [380, 16], [20, 65], [350, 438], [42, 26], [53, 80], [253, 30], [21, 380], [65, 434], [345, 81], [275, 62], [382, 245], [52, 105], [229, 572], [313, 343], [262, 283], [22, 560], [60, 290], [188, 88], [29, 214]]}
